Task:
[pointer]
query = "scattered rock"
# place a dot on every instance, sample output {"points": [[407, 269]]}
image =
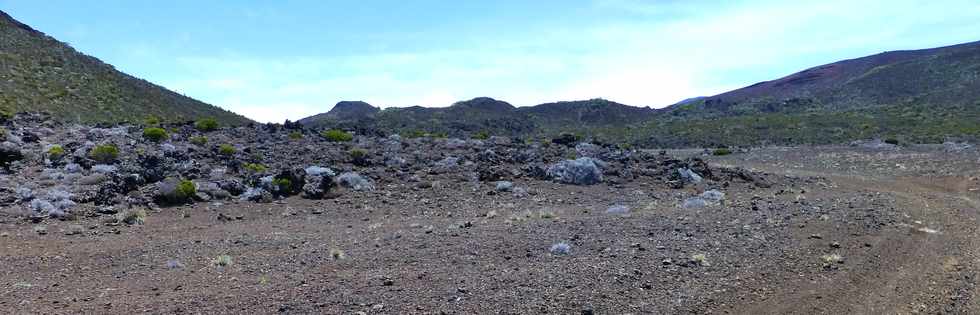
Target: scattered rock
{"points": [[581, 171], [561, 248], [504, 186]]}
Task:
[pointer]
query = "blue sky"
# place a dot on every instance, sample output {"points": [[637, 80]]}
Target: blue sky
{"points": [[276, 60]]}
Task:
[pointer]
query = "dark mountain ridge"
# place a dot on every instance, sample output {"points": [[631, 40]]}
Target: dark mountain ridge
{"points": [[487, 115]]}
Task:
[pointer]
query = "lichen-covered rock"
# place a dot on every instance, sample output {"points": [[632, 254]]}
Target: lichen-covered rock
{"points": [[257, 195], [504, 186], [354, 181], [581, 171]]}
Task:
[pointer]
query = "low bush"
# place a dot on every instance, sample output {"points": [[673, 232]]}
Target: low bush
{"points": [[359, 157], [226, 150], [255, 167], [155, 134], [206, 124], [335, 135], [104, 153], [6, 115], [200, 140], [284, 184], [56, 152], [295, 135], [186, 190], [482, 135], [721, 151]]}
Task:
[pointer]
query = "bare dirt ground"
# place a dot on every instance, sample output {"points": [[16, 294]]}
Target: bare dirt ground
{"points": [[842, 230]]}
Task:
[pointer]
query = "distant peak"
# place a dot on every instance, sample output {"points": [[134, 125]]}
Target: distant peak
{"points": [[352, 110], [345, 105], [485, 103]]}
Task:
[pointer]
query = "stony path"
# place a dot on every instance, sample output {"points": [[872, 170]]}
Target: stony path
{"points": [[930, 269]]}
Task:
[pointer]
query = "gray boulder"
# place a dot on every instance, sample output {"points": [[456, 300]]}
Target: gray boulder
{"points": [[9, 152], [581, 171], [354, 181]]}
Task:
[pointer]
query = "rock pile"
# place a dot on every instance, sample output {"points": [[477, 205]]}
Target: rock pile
{"points": [[52, 170]]}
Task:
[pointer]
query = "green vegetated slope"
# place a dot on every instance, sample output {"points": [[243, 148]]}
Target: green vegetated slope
{"points": [[918, 96], [39, 73]]}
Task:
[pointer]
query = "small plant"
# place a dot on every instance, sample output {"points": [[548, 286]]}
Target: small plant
{"points": [[337, 254], [283, 184], [206, 124], [336, 135], [414, 134], [295, 135], [831, 259], [133, 217], [154, 134], [56, 152], [700, 259], [222, 261], [226, 150], [359, 157], [3, 134], [6, 115], [721, 151], [547, 214], [104, 153], [185, 190], [255, 167], [200, 140], [482, 135]]}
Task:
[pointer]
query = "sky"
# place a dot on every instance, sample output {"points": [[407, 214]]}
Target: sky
{"points": [[277, 60]]}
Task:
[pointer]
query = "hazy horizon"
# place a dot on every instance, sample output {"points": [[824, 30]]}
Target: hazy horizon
{"points": [[277, 61]]}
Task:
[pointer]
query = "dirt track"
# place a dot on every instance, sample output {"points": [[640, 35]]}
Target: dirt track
{"points": [[456, 249]]}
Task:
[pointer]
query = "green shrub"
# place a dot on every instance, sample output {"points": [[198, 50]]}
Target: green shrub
{"points": [[3, 134], [359, 157], [721, 151], [6, 115], [200, 140], [284, 184], [255, 167], [414, 134], [56, 152], [335, 135], [206, 124], [104, 153], [186, 190], [295, 135], [226, 150], [358, 153], [154, 134], [482, 135], [222, 261]]}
